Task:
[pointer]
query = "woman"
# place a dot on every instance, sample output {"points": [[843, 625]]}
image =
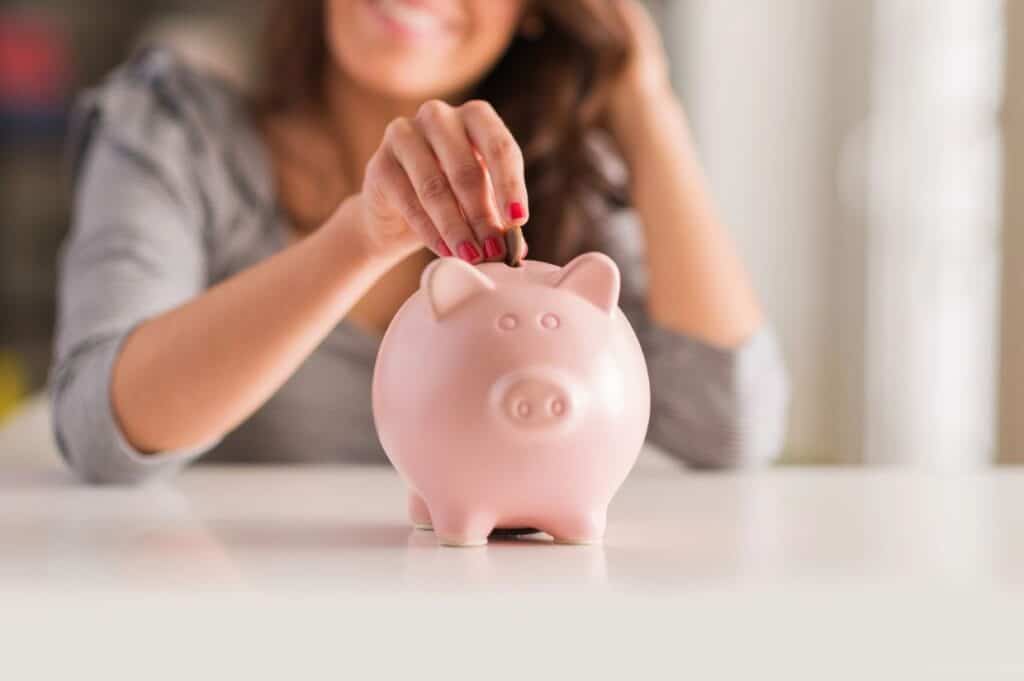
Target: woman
{"points": [[233, 261]]}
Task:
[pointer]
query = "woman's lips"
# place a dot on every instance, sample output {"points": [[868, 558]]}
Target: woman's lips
{"points": [[410, 18]]}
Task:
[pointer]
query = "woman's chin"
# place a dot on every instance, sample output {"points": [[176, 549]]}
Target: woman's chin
{"points": [[418, 49], [404, 83]]}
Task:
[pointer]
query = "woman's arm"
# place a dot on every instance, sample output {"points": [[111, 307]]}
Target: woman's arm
{"points": [[719, 389], [688, 249], [195, 372], [148, 358]]}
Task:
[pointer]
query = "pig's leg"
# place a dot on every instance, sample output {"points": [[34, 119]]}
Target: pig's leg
{"points": [[461, 527], [578, 526], [418, 512]]}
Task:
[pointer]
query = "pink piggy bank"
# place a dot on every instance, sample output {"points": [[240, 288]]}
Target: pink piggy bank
{"points": [[512, 397]]}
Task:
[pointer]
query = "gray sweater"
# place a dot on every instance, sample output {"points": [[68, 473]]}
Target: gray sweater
{"points": [[174, 192]]}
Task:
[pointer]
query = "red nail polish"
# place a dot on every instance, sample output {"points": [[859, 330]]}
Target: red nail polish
{"points": [[469, 252], [492, 247], [516, 210], [443, 249]]}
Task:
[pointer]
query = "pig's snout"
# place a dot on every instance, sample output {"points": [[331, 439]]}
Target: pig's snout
{"points": [[535, 401]]}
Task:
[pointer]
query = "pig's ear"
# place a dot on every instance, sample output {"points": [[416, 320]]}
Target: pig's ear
{"points": [[449, 282], [594, 277]]}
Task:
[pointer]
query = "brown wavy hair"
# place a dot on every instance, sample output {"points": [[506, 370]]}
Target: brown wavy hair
{"points": [[548, 88]]}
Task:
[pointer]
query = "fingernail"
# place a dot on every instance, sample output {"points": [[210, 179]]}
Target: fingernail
{"points": [[516, 210], [443, 249], [492, 247], [469, 252]]}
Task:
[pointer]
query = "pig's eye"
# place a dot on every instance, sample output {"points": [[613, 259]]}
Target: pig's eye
{"points": [[507, 322], [549, 321]]}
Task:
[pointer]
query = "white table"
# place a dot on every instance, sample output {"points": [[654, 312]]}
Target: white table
{"points": [[813, 569]]}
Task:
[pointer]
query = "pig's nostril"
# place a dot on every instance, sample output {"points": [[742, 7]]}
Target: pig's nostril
{"points": [[508, 322], [535, 402], [557, 407]]}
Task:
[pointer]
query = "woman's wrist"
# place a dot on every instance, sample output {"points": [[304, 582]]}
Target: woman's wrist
{"points": [[353, 240]]}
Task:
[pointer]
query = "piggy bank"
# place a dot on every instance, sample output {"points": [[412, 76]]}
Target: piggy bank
{"points": [[512, 397]]}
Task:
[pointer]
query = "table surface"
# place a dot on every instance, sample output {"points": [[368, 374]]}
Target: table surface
{"points": [[853, 541]]}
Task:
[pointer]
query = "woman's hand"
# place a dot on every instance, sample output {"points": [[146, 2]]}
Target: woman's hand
{"points": [[451, 178]]}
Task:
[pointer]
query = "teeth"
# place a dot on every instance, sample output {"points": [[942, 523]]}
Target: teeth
{"points": [[414, 17]]}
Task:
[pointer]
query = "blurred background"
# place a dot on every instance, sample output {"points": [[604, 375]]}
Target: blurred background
{"points": [[864, 153]]}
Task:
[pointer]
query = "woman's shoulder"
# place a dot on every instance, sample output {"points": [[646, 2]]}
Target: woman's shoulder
{"points": [[157, 100]]}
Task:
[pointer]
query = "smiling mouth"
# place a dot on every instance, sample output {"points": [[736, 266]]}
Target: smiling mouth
{"points": [[410, 18]]}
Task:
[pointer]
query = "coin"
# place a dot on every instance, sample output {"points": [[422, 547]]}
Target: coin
{"points": [[515, 247]]}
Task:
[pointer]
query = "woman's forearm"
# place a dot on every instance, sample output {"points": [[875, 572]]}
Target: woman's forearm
{"points": [[697, 284], [193, 373]]}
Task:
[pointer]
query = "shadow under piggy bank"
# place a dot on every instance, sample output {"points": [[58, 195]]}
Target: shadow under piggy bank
{"points": [[531, 562]]}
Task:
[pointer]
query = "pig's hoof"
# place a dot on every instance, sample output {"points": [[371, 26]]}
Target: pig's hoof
{"points": [[419, 514], [462, 542], [579, 541], [583, 528], [461, 528]]}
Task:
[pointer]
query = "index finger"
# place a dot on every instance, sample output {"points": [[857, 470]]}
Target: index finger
{"points": [[503, 158]]}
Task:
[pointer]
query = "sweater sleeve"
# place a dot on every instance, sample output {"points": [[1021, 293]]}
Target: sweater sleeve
{"points": [[711, 407], [135, 250]]}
